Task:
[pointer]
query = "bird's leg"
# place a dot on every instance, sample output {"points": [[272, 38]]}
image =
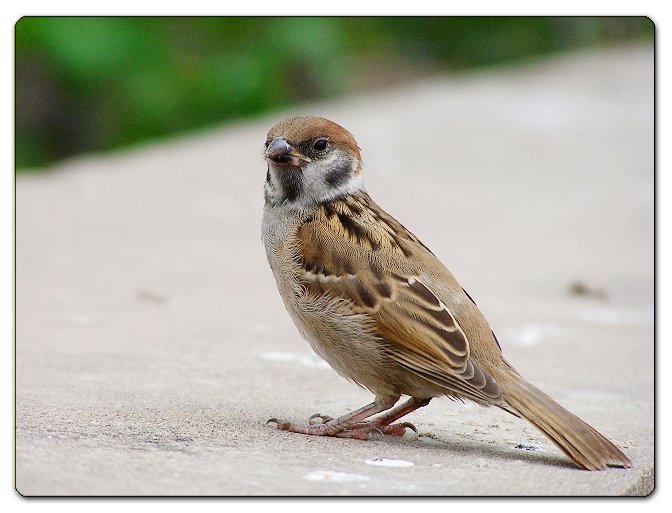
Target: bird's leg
{"points": [[340, 426], [384, 422]]}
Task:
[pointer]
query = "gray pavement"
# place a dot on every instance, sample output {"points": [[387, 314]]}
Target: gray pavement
{"points": [[152, 345]]}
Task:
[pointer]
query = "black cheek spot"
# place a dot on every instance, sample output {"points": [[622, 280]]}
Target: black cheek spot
{"points": [[339, 174]]}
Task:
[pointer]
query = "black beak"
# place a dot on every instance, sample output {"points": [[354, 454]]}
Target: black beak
{"points": [[281, 152]]}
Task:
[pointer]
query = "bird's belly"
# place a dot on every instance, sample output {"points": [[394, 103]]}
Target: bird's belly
{"points": [[345, 340]]}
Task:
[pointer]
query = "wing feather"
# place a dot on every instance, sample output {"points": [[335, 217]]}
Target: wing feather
{"points": [[343, 250]]}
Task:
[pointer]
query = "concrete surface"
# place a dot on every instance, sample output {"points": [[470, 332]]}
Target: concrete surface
{"points": [[152, 345]]}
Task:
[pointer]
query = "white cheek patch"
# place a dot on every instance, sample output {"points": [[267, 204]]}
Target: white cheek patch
{"points": [[319, 181], [331, 177]]}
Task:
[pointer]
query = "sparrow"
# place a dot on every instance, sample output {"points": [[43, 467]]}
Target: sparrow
{"points": [[379, 307]]}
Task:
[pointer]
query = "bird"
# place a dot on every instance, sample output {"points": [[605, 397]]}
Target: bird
{"points": [[379, 307]]}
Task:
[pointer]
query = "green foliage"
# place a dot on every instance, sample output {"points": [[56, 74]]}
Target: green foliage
{"points": [[91, 84]]}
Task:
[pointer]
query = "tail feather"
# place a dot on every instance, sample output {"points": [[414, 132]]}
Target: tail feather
{"points": [[583, 444]]}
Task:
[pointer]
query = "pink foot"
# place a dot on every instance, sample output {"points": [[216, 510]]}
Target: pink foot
{"points": [[355, 425], [326, 426]]}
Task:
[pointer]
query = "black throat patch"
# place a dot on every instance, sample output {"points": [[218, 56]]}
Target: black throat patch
{"points": [[291, 182]]}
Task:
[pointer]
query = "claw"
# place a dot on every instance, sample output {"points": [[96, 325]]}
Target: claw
{"points": [[398, 429], [355, 423], [409, 426], [283, 426], [323, 418]]}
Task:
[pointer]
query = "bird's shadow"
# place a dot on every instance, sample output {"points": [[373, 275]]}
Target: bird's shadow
{"points": [[476, 448], [462, 447]]}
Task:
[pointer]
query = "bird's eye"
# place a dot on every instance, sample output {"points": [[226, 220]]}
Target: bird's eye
{"points": [[320, 144]]}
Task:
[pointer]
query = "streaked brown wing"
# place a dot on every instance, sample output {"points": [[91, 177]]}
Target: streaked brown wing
{"points": [[343, 251]]}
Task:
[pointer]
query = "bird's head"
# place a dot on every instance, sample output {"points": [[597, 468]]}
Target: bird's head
{"points": [[311, 160]]}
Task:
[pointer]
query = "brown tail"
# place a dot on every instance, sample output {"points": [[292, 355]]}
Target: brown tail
{"points": [[583, 444]]}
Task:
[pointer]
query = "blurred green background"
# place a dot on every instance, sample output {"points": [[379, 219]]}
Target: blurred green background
{"points": [[93, 84]]}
